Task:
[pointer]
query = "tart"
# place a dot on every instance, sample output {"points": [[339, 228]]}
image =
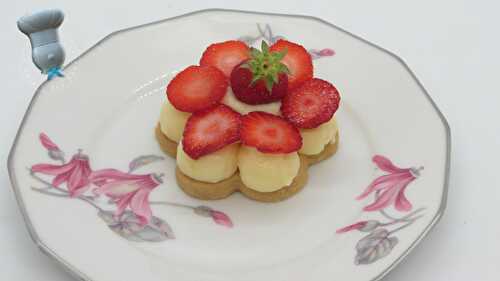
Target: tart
{"points": [[248, 120]]}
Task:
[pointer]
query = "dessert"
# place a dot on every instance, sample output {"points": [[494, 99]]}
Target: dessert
{"points": [[248, 120]]}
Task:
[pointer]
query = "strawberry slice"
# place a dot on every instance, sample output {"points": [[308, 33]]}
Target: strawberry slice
{"points": [[210, 129], [225, 55], [269, 133], [196, 88], [297, 60], [311, 105]]}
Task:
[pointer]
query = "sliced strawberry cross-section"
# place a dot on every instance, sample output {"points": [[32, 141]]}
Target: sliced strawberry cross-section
{"points": [[297, 60], [225, 55], [210, 129], [269, 133], [196, 88], [311, 105]]}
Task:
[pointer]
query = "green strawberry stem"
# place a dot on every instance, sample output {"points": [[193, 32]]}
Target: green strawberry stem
{"points": [[266, 65]]}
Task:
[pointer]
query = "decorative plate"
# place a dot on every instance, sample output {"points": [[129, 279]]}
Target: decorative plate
{"points": [[100, 198]]}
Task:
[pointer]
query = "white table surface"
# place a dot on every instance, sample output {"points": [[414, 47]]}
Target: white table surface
{"points": [[452, 46]]}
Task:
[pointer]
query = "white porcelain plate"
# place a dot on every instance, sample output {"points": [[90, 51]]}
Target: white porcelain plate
{"points": [[360, 213]]}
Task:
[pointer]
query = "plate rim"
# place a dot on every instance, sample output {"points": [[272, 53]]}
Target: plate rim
{"points": [[82, 276]]}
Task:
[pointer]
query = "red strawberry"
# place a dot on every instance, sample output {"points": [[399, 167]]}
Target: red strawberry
{"points": [[298, 61], [256, 93], [269, 133], [260, 79], [225, 55], [196, 88], [312, 104], [210, 129]]}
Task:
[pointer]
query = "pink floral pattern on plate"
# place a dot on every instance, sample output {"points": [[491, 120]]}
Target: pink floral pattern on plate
{"points": [[266, 33], [389, 190], [132, 217]]}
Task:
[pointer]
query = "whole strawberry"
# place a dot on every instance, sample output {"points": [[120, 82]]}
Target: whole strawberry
{"points": [[262, 78]]}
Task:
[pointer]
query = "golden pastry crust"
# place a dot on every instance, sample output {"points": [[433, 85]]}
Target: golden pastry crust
{"points": [[168, 146], [222, 189]]}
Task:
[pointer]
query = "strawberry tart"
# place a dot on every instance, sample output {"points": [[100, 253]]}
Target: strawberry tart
{"points": [[248, 120]]}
